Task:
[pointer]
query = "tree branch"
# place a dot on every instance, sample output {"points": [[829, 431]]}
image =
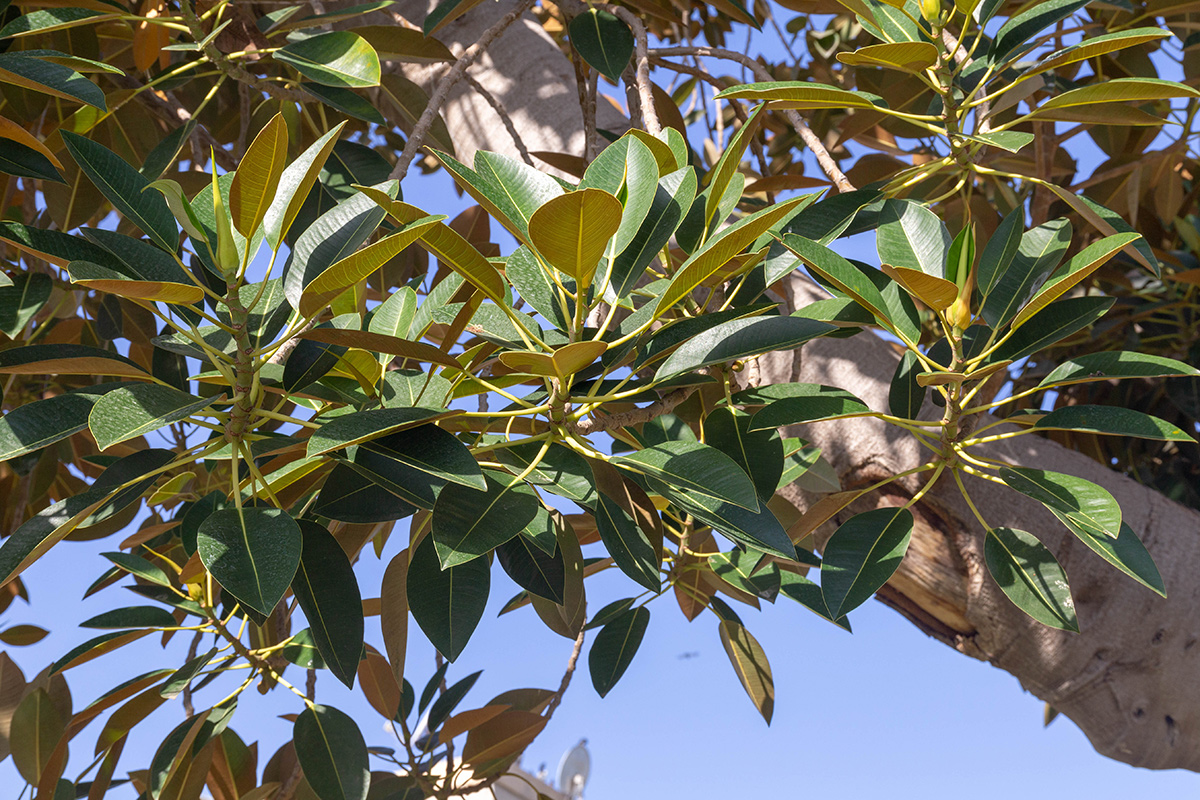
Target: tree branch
{"points": [[447, 82], [504, 117], [634, 416], [810, 139]]}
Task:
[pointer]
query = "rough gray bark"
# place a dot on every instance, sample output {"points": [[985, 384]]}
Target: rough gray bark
{"points": [[1125, 680]]}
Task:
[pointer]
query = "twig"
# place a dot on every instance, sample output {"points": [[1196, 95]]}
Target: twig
{"points": [[641, 67], [810, 139], [570, 671], [417, 138], [235, 71], [632, 417], [504, 117]]}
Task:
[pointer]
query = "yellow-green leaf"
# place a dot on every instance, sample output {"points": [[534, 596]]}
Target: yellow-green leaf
{"points": [[572, 231], [1079, 267], [750, 663], [931, 290], [257, 177], [913, 57], [1120, 90]]}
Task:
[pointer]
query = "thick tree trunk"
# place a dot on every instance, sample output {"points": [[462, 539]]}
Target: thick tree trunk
{"points": [[1126, 679]]}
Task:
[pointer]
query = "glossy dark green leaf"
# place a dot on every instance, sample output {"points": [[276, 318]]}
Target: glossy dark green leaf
{"points": [[132, 411], [23, 299], [627, 543], [759, 530], [862, 555], [531, 568], [610, 612], [740, 568], [562, 471], [448, 603], [808, 594], [339, 58], [998, 253], [1112, 365], [181, 677], [199, 511], [448, 700], [1038, 255], [468, 523], [302, 651], [362, 426], [141, 567], [615, 646], [741, 338], [672, 197], [912, 236], [252, 552], [345, 100], [422, 456], [696, 468], [66, 359], [1051, 325], [105, 498], [25, 162], [1030, 576], [332, 753], [350, 496], [604, 41], [1112, 421], [793, 403], [125, 188], [1126, 552], [35, 425], [1089, 505], [653, 345], [331, 237], [760, 454], [24, 70], [1020, 32], [905, 395], [132, 617], [509, 190], [327, 591]]}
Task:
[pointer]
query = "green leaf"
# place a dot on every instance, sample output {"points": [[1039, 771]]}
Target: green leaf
{"points": [[415, 464], [339, 58], [1019, 33], [327, 591], [914, 57], [672, 198], [1038, 255], [572, 231], [561, 471], [905, 395], [257, 179], [179, 679], [862, 555], [252, 552], [36, 726], [347, 101], [615, 646], [353, 268], [53, 19], [1087, 504], [534, 570], [802, 95], [793, 403], [1117, 90], [507, 189], [448, 700], [333, 236], [627, 170], [1051, 325], [396, 43], [295, 183], [723, 171], [1126, 553], [536, 287], [41, 423], [1030, 576], [132, 617], [125, 188], [332, 753], [54, 246], [758, 530], [57, 80], [468, 523], [741, 338], [808, 594], [1012, 141], [1109, 222], [1094, 46], [1112, 421], [449, 603], [131, 411], [140, 567], [1080, 266], [721, 249], [103, 279], [1113, 365], [361, 426], [760, 454], [66, 359], [741, 569], [999, 251], [750, 663], [845, 277], [349, 496], [696, 468], [106, 497], [911, 236], [605, 42], [24, 161], [629, 546], [446, 12], [302, 651]]}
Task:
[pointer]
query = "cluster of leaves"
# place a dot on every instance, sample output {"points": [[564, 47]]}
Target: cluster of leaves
{"points": [[581, 391]]}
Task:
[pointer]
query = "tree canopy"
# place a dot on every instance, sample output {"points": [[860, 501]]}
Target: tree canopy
{"points": [[239, 350]]}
